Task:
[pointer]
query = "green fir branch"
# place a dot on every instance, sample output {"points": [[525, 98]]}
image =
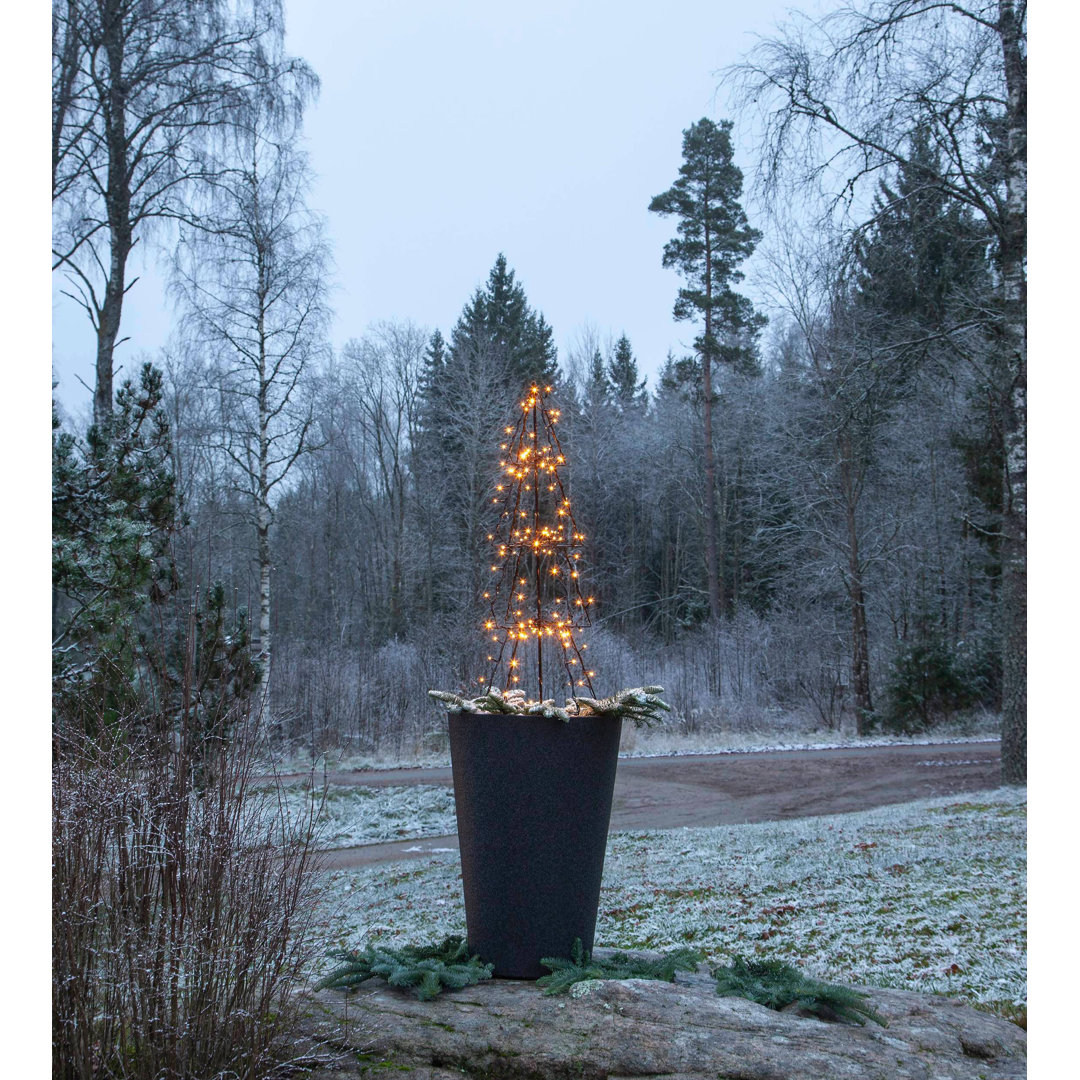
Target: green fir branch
{"points": [[581, 967], [425, 969], [776, 985]]}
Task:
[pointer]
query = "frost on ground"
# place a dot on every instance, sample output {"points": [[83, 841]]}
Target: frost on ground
{"points": [[926, 896], [661, 741], [347, 816]]}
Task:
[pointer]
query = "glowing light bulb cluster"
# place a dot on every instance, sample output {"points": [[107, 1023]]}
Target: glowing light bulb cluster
{"points": [[535, 599]]}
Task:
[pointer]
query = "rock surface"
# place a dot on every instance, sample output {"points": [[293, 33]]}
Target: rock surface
{"points": [[607, 1030]]}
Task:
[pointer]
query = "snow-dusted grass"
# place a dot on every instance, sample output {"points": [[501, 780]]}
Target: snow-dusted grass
{"points": [[925, 896], [657, 742], [347, 816], [666, 744]]}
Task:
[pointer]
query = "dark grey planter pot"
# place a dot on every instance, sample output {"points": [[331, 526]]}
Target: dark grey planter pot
{"points": [[533, 798]]}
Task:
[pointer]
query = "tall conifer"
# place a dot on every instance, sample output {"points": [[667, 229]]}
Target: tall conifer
{"points": [[622, 371], [714, 237], [499, 321]]}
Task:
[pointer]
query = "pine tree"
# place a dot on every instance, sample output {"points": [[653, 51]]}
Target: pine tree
{"points": [[498, 320], [432, 407], [497, 331], [498, 345], [598, 388], [434, 370], [924, 252], [921, 272], [714, 238], [115, 510]]}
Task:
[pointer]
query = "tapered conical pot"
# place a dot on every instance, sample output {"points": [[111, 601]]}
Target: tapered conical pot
{"points": [[533, 798]]}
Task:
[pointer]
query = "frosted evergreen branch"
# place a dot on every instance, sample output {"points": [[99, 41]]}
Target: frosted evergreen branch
{"points": [[454, 702], [497, 702], [642, 705]]}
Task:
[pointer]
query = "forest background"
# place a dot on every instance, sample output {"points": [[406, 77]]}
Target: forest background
{"points": [[839, 549]]}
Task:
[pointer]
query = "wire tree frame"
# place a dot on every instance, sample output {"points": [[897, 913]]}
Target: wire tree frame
{"points": [[536, 606]]}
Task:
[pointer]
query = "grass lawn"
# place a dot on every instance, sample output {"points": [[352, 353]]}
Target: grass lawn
{"points": [[350, 815], [927, 896]]}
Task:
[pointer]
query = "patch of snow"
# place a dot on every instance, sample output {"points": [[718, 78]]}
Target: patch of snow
{"points": [[662, 741], [948, 763], [768, 746]]}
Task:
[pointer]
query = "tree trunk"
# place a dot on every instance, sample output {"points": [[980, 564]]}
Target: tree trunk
{"points": [[397, 615], [64, 84], [1014, 602], [1014, 515], [118, 212], [263, 656], [860, 635], [716, 599], [860, 658], [711, 562], [262, 508]]}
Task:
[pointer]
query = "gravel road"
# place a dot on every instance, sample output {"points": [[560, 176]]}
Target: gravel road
{"points": [[727, 789]]}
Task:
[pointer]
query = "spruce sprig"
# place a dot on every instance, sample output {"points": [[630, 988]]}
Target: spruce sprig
{"points": [[426, 969], [582, 966], [777, 985], [642, 705]]}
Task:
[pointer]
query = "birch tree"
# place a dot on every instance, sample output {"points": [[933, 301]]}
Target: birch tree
{"points": [[838, 99], [381, 377], [253, 280], [140, 90]]}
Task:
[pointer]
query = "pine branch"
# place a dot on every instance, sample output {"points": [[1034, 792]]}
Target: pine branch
{"points": [[425, 969], [454, 702], [776, 985], [641, 704], [581, 967]]}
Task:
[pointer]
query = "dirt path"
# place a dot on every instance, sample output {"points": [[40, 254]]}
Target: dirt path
{"points": [[727, 789]]}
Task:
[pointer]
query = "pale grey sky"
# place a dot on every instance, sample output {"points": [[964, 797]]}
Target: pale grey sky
{"points": [[448, 132]]}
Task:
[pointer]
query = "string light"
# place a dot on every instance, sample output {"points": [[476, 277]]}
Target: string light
{"points": [[537, 538]]}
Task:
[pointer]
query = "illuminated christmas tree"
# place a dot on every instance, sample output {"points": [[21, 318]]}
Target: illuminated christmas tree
{"points": [[537, 607]]}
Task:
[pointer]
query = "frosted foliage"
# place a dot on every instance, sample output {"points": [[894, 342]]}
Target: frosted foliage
{"points": [[926, 896]]}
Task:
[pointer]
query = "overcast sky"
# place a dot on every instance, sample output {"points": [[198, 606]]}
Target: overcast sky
{"points": [[448, 132]]}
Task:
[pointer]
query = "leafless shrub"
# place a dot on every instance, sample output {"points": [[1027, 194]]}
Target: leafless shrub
{"points": [[361, 701], [182, 907], [747, 673]]}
